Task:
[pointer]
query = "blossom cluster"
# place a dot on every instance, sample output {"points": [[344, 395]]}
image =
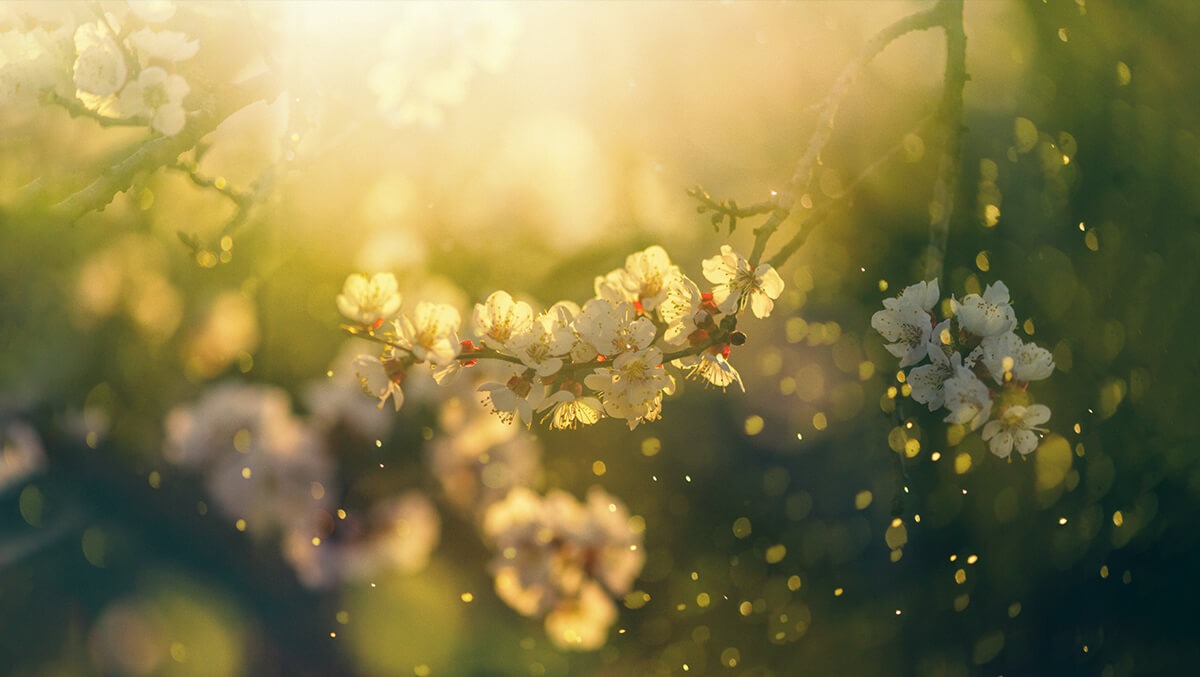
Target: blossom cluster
{"points": [[978, 369], [572, 365], [564, 560], [271, 472], [118, 65]]}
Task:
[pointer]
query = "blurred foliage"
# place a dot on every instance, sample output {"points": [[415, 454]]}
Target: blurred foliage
{"points": [[772, 545]]}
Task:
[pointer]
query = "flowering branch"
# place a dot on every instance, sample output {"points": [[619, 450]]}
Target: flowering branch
{"points": [[77, 110]]}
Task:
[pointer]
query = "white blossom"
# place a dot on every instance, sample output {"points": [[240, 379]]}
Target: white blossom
{"points": [[734, 277], [987, 315], [153, 11], [682, 311], [369, 302], [100, 69], [517, 398], [431, 334], [381, 376], [643, 281], [499, 318], [632, 388], [607, 328], [581, 623], [1008, 358], [928, 380], [157, 96], [542, 345], [906, 323], [567, 410], [1015, 428], [711, 368], [967, 398]]}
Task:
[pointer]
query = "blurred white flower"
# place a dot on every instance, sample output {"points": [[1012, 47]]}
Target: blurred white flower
{"points": [[1015, 428], [153, 11], [477, 461], [734, 278], [370, 302], [499, 318], [581, 623], [260, 463], [906, 323], [100, 69], [987, 315], [165, 45], [335, 402], [432, 333], [1008, 358], [157, 96], [559, 557], [381, 377], [402, 534], [21, 454]]}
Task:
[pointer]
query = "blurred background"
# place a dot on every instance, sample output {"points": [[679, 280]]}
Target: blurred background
{"points": [[466, 148]]}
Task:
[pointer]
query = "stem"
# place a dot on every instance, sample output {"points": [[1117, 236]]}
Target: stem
{"points": [[78, 110], [941, 207], [939, 14], [157, 152]]}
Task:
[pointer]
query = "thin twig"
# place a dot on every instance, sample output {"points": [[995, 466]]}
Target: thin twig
{"points": [[78, 110], [930, 18], [941, 207]]}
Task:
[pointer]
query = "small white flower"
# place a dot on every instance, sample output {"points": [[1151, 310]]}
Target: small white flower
{"points": [[713, 369], [681, 309], [517, 398], [928, 380], [967, 398], [431, 334], [369, 302], [1008, 358], [1015, 428], [165, 45], [733, 277], [100, 68], [159, 97], [643, 281], [380, 377], [906, 323], [153, 11], [542, 345], [567, 410], [499, 318], [632, 388], [987, 315], [607, 328]]}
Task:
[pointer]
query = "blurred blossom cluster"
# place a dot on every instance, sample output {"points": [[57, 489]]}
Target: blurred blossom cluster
{"points": [[978, 370], [433, 52], [571, 365], [119, 64], [272, 473], [563, 559]]}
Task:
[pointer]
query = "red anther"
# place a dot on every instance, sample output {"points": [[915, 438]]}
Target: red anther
{"points": [[637, 305], [377, 324], [725, 350], [601, 358], [467, 346]]}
